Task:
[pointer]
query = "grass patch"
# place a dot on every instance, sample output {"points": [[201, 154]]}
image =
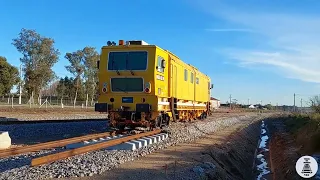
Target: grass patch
{"points": [[306, 130], [296, 122]]}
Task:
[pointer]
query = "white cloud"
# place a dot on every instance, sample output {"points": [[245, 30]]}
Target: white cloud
{"points": [[293, 39], [290, 65]]}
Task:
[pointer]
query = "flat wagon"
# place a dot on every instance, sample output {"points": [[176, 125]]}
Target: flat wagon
{"points": [[142, 85]]}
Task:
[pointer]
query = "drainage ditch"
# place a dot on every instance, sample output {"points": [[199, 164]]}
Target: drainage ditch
{"points": [[235, 158], [262, 159], [245, 155]]}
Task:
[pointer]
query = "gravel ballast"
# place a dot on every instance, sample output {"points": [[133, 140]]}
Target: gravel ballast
{"points": [[100, 161]]}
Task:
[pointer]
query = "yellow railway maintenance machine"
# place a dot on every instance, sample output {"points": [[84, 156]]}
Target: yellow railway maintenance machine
{"points": [[142, 85]]}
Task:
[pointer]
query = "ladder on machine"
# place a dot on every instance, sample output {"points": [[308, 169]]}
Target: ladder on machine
{"points": [[174, 108]]}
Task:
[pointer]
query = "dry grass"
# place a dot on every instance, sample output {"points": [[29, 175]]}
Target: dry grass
{"points": [[306, 130]]}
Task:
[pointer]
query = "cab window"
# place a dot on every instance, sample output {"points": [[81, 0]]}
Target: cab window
{"points": [[159, 65], [186, 75], [191, 78]]}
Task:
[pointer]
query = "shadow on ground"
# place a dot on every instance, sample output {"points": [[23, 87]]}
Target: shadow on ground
{"points": [[44, 132]]}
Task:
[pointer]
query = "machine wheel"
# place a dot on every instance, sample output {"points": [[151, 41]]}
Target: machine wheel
{"points": [[162, 120], [203, 116], [167, 119], [121, 127], [158, 121]]}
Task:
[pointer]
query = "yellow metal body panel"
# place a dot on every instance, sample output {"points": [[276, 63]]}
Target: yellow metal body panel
{"points": [[187, 82], [161, 74], [165, 82], [148, 76]]}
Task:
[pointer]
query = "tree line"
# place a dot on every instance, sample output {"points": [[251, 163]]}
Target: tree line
{"points": [[38, 56]]}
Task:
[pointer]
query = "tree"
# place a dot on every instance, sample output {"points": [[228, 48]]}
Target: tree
{"points": [[315, 104], [65, 88], [62, 88], [269, 106], [39, 56], [83, 66], [9, 76], [76, 68], [91, 56]]}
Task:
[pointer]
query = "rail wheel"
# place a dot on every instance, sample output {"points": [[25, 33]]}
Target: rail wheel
{"points": [[204, 115], [121, 127], [158, 121], [162, 120]]}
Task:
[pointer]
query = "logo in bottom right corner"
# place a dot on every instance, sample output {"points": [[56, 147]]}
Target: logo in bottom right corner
{"points": [[306, 166]]}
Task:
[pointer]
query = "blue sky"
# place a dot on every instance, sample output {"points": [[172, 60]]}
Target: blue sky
{"points": [[264, 51]]}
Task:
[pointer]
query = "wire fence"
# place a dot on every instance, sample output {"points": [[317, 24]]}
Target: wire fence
{"points": [[46, 102]]}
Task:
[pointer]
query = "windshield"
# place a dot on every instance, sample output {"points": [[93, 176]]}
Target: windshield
{"points": [[127, 84], [134, 60]]}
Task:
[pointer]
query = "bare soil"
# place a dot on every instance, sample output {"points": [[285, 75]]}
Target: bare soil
{"points": [[283, 152], [292, 137], [26, 113]]}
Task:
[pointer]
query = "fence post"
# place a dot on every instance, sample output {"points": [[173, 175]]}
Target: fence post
{"points": [[12, 102], [87, 101]]}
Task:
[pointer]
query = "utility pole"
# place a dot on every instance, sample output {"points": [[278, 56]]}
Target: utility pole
{"points": [[248, 102], [294, 102], [20, 90], [301, 102], [230, 101]]}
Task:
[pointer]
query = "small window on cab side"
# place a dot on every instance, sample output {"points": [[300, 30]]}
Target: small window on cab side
{"points": [[191, 78], [159, 64], [186, 75]]}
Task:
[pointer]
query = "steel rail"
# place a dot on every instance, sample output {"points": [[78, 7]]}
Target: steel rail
{"points": [[88, 148], [51, 144]]}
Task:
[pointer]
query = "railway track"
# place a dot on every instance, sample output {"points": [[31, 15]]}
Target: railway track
{"points": [[76, 151], [51, 144], [11, 121], [65, 142]]}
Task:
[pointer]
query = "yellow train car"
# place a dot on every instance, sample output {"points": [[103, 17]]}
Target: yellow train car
{"points": [[143, 85]]}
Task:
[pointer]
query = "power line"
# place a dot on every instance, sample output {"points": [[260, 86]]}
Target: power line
{"points": [[294, 102]]}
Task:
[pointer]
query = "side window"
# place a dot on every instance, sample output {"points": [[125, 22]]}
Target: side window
{"points": [[192, 78], [160, 69], [186, 75], [197, 80]]}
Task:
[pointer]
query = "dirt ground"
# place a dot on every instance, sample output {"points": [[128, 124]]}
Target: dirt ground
{"points": [[234, 146], [43, 110], [292, 137], [26, 113], [283, 151]]}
